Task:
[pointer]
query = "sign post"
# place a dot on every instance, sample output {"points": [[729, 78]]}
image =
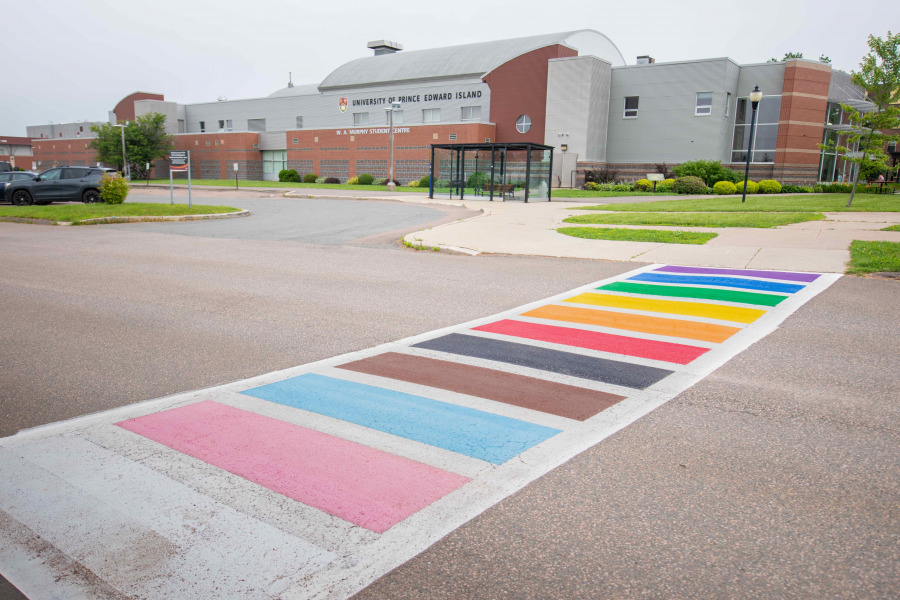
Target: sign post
{"points": [[235, 176], [179, 160], [655, 178]]}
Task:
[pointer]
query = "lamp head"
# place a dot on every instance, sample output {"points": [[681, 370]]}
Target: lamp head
{"points": [[396, 106], [756, 95]]}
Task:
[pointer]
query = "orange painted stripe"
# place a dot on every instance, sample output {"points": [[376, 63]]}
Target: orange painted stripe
{"points": [[692, 330]]}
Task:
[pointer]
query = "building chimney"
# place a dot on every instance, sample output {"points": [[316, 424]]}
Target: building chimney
{"points": [[384, 47], [645, 60]]}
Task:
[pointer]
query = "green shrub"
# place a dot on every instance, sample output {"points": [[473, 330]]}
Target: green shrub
{"points": [[795, 189], [384, 182], [665, 186], [310, 178], [689, 185], [643, 185], [710, 171], [366, 179], [477, 179], [818, 189], [353, 181], [332, 180], [413, 184], [590, 186], [836, 188], [752, 187], [113, 189], [724, 188], [289, 175], [441, 183], [769, 186], [425, 181]]}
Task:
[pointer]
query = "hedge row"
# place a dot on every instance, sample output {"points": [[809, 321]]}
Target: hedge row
{"points": [[696, 185]]}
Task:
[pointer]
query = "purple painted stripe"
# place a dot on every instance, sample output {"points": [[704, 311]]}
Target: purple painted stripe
{"points": [[807, 277]]}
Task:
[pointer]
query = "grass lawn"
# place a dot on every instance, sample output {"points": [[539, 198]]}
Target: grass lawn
{"points": [[74, 213], [874, 257], [638, 235], [892, 228], [787, 203], [284, 184], [697, 219], [595, 194]]}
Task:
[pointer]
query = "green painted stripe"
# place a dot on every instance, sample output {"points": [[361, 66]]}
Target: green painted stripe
{"points": [[694, 292]]}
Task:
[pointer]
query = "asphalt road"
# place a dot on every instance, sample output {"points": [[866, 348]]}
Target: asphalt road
{"points": [[774, 477]]}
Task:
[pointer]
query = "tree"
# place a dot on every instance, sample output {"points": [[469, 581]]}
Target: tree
{"points": [[788, 55], [145, 141], [879, 76]]}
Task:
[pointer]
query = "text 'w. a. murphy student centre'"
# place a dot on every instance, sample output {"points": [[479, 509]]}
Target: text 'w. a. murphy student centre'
{"points": [[571, 91]]}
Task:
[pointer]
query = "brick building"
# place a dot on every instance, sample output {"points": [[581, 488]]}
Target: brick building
{"points": [[572, 91]]}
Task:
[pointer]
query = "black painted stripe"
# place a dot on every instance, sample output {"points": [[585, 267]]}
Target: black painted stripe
{"points": [[555, 361]]}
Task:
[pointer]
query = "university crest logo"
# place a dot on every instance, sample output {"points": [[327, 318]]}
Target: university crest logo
{"points": [[343, 104]]}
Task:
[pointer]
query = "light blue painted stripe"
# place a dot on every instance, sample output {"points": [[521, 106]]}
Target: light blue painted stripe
{"points": [[489, 437], [732, 282]]}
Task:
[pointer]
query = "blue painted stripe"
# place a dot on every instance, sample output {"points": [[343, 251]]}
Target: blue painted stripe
{"points": [[732, 282], [475, 433]]}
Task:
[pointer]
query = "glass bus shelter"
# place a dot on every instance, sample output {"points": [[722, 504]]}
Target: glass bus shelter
{"points": [[491, 171]]}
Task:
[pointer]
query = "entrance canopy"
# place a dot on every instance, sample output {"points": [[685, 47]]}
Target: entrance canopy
{"points": [[492, 171]]}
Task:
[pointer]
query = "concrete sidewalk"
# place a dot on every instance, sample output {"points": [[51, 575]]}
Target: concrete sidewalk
{"points": [[519, 228]]}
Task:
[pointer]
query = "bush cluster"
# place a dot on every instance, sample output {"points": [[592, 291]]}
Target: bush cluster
{"points": [[332, 180], [477, 179], [665, 186], [289, 175], [425, 181], [353, 181], [643, 185], [769, 186], [605, 175], [413, 184], [365, 179], [710, 171], [310, 178], [835, 188], [795, 189], [113, 189], [752, 187], [607, 187], [689, 185], [724, 188]]}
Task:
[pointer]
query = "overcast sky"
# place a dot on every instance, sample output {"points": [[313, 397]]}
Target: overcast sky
{"points": [[68, 60]]}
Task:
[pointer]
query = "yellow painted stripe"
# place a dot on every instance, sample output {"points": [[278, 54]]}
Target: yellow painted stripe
{"points": [[656, 325], [737, 314]]}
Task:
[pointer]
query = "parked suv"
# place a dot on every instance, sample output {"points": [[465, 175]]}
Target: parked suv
{"points": [[59, 184]]}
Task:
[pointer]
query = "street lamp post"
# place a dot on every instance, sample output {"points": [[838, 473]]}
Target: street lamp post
{"points": [[124, 161], [755, 97], [391, 186]]}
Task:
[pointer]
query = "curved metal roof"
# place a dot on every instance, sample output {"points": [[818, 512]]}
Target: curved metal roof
{"points": [[296, 90], [472, 60]]}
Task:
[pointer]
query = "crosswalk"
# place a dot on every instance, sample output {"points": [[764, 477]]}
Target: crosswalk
{"points": [[313, 481]]}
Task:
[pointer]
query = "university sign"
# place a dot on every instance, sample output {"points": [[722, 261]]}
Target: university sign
{"points": [[368, 131], [422, 96]]}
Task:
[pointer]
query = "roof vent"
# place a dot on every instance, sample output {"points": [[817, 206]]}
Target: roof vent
{"points": [[645, 60], [384, 47]]}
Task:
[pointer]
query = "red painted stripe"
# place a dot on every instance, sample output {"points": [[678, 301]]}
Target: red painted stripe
{"points": [[680, 354], [368, 487]]}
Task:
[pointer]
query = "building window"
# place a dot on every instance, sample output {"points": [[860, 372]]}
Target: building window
{"points": [[431, 115], [728, 104], [361, 118], [217, 142], [704, 104], [295, 140], [631, 107], [487, 140], [256, 124], [299, 122], [225, 125], [274, 161], [202, 127], [207, 143], [452, 137], [763, 146], [471, 113], [523, 123], [398, 117]]}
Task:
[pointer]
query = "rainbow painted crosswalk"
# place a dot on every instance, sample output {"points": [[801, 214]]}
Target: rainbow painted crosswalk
{"points": [[354, 464]]}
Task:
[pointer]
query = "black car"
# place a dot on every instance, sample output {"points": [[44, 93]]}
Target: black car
{"points": [[9, 177], [58, 184]]}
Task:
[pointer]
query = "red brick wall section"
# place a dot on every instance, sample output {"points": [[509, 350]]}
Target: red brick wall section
{"points": [[214, 154], [62, 153], [801, 125], [125, 108], [519, 87]]}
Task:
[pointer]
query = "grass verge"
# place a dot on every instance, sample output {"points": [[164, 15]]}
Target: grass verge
{"points": [[284, 184], [73, 213], [697, 219], [874, 257], [638, 235], [564, 193], [892, 228], [795, 203]]}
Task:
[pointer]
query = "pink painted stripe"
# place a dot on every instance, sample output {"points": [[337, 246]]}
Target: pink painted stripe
{"points": [[680, 354], [368, 487]]}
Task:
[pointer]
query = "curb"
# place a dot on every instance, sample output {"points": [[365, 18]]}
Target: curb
{"points": [[110, 220], [454, 249]]}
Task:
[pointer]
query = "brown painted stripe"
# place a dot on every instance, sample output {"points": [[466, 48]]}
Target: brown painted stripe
{"points": [[693, 330], [550, 397]]}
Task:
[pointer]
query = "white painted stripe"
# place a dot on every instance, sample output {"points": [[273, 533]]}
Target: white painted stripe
{"points": [[143, 533]]}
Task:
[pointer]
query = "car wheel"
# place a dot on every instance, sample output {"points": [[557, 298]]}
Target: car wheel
{"points": [[22, 198], [90, 196]]}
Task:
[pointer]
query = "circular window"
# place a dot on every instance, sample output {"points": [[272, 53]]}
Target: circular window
{"points": [[523, 124]]}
